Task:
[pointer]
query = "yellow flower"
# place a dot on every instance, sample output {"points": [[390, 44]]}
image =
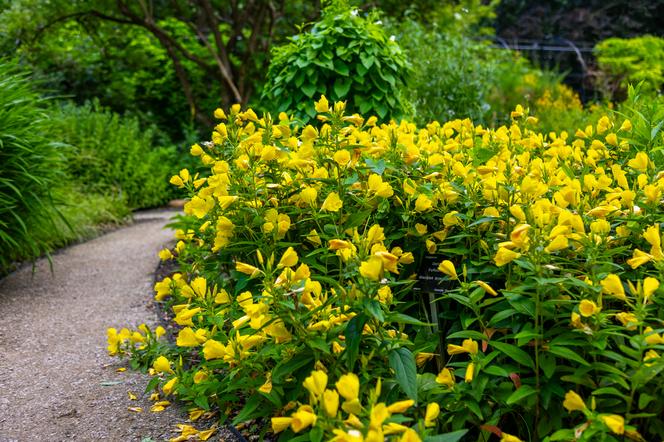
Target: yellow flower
{"points": [[639, 258], [447, 267], [376, 186], [352, 406], [162, 365], [219, 114], [652, 338], [588, 308], [560, 242], [188, 338], [650, 285], [309, 195], [628, 320], [330, 402], [401, 406], [517, 112], [348, 386], [626, 126], [375, 234], [372, 268], [341, 157], [165, 255], [433, 410], [505, 256], [338, 244], [199, 285], [410, 435], [470, 372], [159, 331], [213, 350], [200, 376], [639, 162], [247, 269], [615, 422], [423, 357], [573, 402], [612, 285], [445, 377], [313, 236], [309, 133], [176, 181], [504, 437], [279, 424], [199, 207], [322, 105], [409, 187], [288, 259], [316, 383], [332, 203], [423, 203], [168, 386], [379, 414], [486, 287], [304, 417]]}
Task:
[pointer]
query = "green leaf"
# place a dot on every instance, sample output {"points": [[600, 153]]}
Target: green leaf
{"points": [[376, 166], [515, 353], [249, 410], [288, 367], [353, 334], [309, 89], [373, 308], [202, 401], [402, 361], [366, 59], [644, 400], [341, 87], [566, 353], [468, 334], [454, 436], [152, 384], [401, 318], [521, 393]]}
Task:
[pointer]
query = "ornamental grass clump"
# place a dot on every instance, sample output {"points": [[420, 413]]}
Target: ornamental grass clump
{"points": [[30, 166], [304, 294]]}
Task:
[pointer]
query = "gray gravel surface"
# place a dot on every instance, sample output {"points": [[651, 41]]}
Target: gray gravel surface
{"points": [[57, 382]]}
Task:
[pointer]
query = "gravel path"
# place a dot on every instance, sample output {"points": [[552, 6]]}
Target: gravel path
{"points": [[57, 382]]}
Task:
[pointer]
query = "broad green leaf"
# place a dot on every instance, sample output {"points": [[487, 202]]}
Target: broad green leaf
{"points": [[521, 393], [402, 362], [454, 436], [514, 352]]}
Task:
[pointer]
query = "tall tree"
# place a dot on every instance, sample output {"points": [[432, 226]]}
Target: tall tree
{"points": [[225, 42]]}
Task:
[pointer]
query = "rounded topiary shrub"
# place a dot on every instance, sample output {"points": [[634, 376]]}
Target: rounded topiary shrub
{"points": [[344, 56]]}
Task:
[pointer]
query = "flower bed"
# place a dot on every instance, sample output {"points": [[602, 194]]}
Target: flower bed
{"points": [[298, 296]]}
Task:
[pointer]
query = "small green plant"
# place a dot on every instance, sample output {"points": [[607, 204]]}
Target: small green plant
{"points": [[344, 56]]}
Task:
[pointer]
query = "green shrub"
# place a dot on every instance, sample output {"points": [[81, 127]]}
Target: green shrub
{"points": [[113, 155], [630, 60], [451, 74], [344, 56], [30, 165]]}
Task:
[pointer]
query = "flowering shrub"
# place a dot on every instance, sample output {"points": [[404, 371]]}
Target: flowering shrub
{"points": [[306, 259]]}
